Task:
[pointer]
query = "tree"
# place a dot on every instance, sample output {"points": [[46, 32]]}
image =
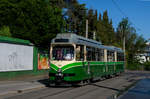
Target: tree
{"points": [[91, 20], [105, 30], [5, 31], [75, 17], [123, 30], [34, 20], [134, 44]]}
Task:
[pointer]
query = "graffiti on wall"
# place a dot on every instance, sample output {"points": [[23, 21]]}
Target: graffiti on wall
{"points": [[43, 61], [15, 57]]}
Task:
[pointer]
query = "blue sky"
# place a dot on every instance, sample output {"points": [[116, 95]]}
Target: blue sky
{"points": [[138, 12]]}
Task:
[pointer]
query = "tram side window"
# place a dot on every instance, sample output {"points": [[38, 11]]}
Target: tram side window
{"points": [[97, 54], [89, 53], [113, 56], [101, 55], [110, 56], [79, 52], [120, 57], [93, 54]]}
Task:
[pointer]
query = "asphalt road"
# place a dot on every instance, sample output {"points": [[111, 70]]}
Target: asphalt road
{"points": [[99, 90], [140, 91]]}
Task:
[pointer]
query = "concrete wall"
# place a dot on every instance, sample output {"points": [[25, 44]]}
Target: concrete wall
{"points": [[15, 57], [18, 58]]}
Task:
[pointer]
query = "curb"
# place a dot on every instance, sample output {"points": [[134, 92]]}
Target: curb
{"points": [[22, 90], [28, 89]]}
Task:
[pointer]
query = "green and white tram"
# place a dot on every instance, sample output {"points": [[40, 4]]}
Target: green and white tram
{"points": [[74, 59]]}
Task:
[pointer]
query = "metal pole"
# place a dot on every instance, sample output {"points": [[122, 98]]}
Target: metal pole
{"points": [[124, 42], [86, 29], [124, 49], [86, 35], [94, 36]]}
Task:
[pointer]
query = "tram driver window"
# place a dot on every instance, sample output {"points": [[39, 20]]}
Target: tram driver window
{"points": [[63, 53], [79, 52]]}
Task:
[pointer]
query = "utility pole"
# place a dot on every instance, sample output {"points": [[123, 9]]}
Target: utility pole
{"points": [[94, 36], [124, 49], [86, 29], [86, 35], [124, 42]]}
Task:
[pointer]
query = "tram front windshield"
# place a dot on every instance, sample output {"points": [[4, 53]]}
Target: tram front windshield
{"points": [[63, 53]]}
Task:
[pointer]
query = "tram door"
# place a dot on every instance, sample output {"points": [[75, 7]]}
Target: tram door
{"points": [[79, 53]]}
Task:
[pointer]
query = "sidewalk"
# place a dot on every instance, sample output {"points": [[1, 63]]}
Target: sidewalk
{"points": [[17, 86], [140, 91]]}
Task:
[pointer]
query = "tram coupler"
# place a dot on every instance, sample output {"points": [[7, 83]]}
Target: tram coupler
{"points": [[59, 76]]}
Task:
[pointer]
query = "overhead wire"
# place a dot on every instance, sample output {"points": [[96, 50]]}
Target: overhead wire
{"points": [[124, 14]]}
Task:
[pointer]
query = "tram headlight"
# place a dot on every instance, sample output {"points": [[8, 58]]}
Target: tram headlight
{"points": [[60, 74]]}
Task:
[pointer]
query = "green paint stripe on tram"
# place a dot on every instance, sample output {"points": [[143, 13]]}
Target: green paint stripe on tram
{"points": [[73, 64], [54, 66], [78, 64]]}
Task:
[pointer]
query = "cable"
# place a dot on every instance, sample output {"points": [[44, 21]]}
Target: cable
{"points": [[117, 6], [121, 11]]}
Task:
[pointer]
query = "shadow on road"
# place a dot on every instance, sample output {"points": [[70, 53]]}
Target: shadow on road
{"points": [[44, 82], [145, 74], [105, 87], [47, 84]]}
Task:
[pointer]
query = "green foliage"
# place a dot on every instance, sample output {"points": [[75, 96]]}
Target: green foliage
{"points": [[34, 20], [91, 23], [134, 66], [56, 3], [75, 17], [133, 63], [105, 30], [5, 31], [146, 66], [134, 44], [40, 20]]}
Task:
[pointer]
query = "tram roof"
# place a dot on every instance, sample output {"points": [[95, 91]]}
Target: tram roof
{"points": [[73, 38]]}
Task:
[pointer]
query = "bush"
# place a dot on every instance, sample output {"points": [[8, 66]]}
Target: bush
{"points": [[146, 66], [134, 66]]}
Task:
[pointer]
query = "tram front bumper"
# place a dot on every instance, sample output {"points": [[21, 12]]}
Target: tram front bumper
{"points": [[60, 76]]}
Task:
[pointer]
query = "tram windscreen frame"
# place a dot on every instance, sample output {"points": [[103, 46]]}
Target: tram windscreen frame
{"points": [[63, 52]]}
